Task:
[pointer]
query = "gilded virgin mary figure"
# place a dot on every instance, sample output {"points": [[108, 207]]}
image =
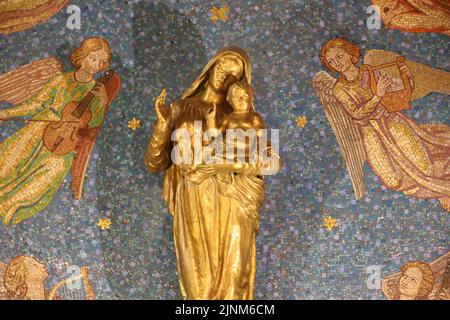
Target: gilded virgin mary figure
{"points": [[214, 232]]}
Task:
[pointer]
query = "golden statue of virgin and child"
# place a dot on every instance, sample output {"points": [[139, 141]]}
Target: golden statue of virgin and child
{"points": [[214, 204], [364, 108]]}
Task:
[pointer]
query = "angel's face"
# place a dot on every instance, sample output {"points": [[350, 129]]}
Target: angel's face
{"points": [[223, 69], [95, 61], [410, 282], [339, 59]]}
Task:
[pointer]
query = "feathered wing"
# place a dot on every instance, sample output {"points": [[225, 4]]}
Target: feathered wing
{"points": [[426, 79], [27, 81], [441, 271], [345, 129], [389, 286]]}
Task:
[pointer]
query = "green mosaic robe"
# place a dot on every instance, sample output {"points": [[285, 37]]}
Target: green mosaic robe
{"points": [[30, 175]]}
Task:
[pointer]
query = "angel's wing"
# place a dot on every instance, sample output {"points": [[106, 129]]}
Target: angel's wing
{"points": [[441, 272], [426, 79], [25, 82], [345, 129], [389, 286]]}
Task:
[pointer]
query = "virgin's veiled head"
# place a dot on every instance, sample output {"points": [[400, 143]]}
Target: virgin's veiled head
{"points": [[229, 65]]}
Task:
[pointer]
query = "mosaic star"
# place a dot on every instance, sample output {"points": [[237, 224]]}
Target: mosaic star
{"points": [[301, 121], [329, 223], [104, 223], [220, 14], [134, 124]]}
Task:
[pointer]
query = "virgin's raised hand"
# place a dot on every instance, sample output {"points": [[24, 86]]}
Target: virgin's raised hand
{"points": [[162, 112]]}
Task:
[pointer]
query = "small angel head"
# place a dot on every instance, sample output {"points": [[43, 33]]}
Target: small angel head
{"points": [[240, 96], [21, 274], [338, 55], [92, 56], [417, 280]]}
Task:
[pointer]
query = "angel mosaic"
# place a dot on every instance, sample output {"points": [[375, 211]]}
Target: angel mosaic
{"points": [[63, 112], [24, 277], [416, 15], [418, 280], [364, 108]]}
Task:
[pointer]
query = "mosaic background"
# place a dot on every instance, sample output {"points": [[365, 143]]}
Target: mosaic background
{"points": [[165, 44]]}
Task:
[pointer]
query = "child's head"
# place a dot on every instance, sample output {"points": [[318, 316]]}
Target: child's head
{"points": [[240, 96]]}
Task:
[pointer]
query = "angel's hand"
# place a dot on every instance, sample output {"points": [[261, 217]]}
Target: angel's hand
{"points": [[383, 85], [100, 91]]}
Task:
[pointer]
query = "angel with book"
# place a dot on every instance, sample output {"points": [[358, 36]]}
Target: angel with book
{"points": [[364, 108]]}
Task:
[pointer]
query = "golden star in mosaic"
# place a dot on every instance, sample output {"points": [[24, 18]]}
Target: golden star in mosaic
{"points": [[104, 223], [301, 121], [134, 123], [220, 14], [329, 222]]}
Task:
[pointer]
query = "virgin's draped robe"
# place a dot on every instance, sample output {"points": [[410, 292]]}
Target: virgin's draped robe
{"points": [[214, 232], [30, 174], [407, 157]]}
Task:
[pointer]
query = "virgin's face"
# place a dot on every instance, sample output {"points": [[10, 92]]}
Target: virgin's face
{"points": [[338, 59], [410, 282], [223, 69], [95, 61]]}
